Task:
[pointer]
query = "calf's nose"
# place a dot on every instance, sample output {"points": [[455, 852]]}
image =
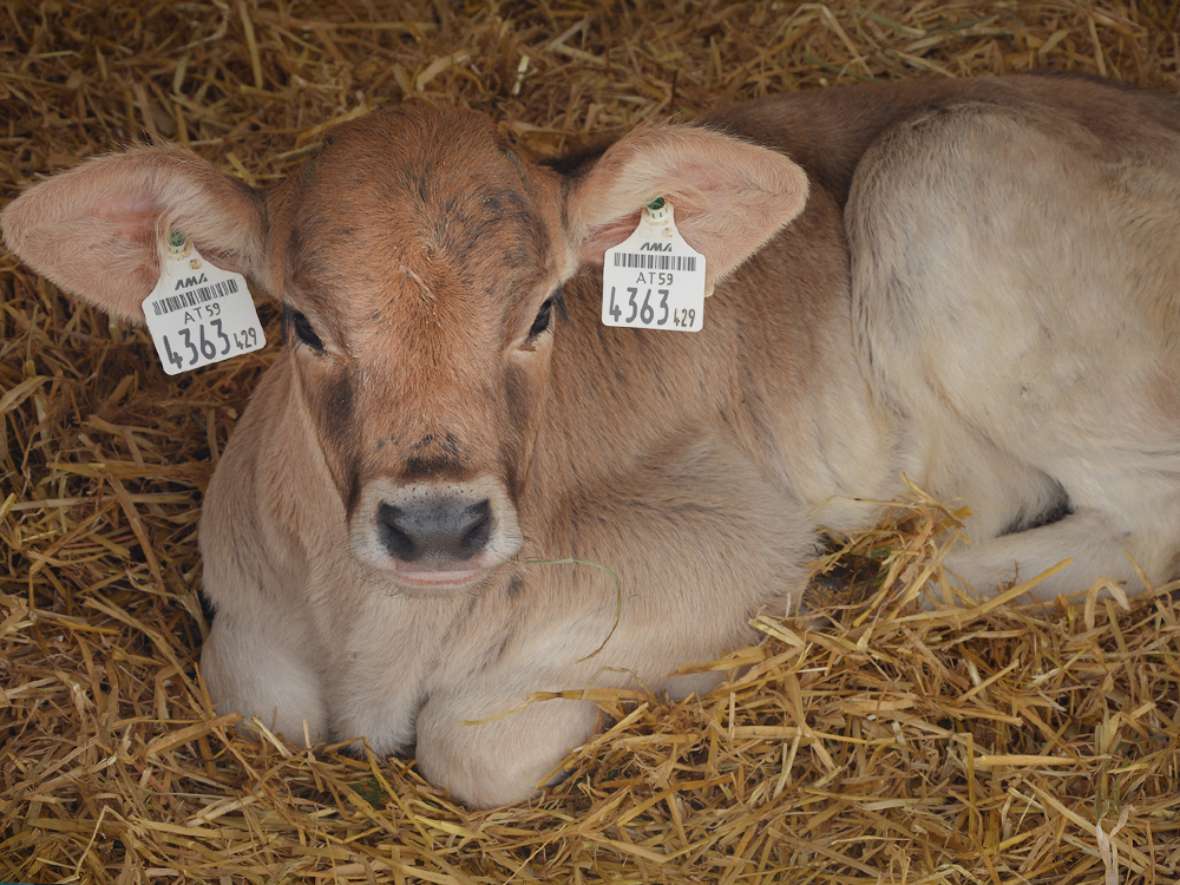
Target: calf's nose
{"points": [[445, 528]]}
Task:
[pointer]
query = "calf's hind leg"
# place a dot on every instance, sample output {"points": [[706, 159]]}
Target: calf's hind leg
{"points": [[1090, 539], [1014, 282]]}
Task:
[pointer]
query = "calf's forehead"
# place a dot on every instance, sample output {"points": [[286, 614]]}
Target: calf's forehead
{"points": [[429, 195]]}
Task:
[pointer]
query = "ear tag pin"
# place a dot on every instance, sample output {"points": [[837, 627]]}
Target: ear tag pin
{"points": [[179, 247], [198, 313]]}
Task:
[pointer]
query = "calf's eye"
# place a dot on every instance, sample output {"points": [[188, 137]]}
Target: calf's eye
{"points": [[541, 323], [303, 330], [545, 314]]}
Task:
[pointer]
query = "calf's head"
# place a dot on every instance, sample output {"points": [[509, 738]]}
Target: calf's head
{"points": [[419, 261]]}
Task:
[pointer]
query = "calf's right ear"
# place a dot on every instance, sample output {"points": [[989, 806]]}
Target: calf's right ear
{"points": [[95, 230]]}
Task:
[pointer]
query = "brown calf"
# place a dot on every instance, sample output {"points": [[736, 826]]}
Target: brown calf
{"points": [[976, 283]]}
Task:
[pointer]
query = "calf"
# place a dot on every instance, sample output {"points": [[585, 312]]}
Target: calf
{"points": [[455, 487]]}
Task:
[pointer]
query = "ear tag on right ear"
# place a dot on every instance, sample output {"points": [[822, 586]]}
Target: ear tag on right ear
{"points": [[654, 279], [198, 313]]}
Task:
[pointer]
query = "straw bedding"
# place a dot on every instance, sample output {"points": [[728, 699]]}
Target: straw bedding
{"points": [[872, 744]]}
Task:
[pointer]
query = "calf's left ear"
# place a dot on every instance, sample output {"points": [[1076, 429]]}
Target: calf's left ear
{"points": [[729, 196], [95, 230]]}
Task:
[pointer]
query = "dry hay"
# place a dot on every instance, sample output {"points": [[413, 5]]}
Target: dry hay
{"points": [[982, 744]]}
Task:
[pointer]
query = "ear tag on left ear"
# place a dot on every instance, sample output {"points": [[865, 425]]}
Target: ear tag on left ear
{"points": [[654, 279], [198, 313]]}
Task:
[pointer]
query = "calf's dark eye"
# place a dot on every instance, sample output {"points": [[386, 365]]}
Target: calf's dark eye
{"points": [[545, 314], [541, 323], [303, 330]]}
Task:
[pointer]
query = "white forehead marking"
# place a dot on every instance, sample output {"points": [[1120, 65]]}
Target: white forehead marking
{"points": [[424, 290]]}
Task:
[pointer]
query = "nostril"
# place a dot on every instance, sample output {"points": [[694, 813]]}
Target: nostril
{"points": [[394, 535], [477, 528]]}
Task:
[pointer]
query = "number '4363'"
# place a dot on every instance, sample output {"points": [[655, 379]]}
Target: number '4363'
{"points": [[193, 346], [636, 305], [649, 306]]}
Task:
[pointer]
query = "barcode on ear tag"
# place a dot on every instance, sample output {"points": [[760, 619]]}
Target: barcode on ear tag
{"points": [[199, 314], [654, 279]]}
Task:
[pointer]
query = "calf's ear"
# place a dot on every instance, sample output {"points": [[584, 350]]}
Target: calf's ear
{"points": [[729, 196], [95, 230]]}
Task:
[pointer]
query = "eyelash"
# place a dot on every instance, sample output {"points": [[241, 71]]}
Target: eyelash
{"points": [[545, 313], [296, 320]]}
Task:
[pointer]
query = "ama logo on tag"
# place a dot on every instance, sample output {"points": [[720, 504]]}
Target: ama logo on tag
{"points": [[189, 282], [655, 247]]}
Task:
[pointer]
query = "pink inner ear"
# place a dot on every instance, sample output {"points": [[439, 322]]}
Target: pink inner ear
{"points": [[132, 218], [606, 236], [706, 178], [130, 227]]}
